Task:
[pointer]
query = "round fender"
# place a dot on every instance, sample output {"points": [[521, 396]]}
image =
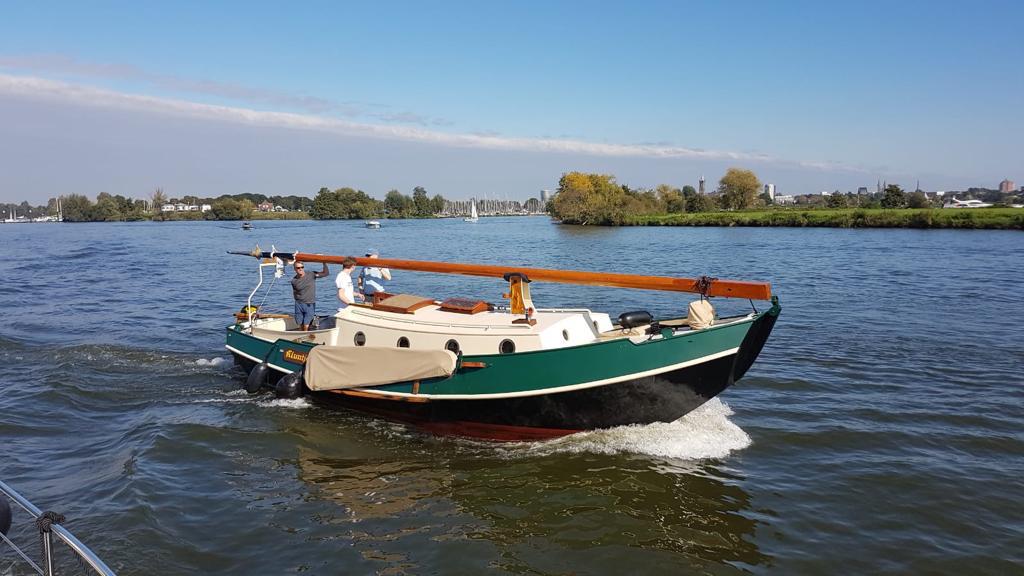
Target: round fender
{"points": [[258, 378], [290, 386], [5, 515]]}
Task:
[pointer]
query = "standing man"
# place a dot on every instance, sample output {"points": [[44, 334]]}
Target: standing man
{"points": [[304, 291], [346, 293], [371, 278]]}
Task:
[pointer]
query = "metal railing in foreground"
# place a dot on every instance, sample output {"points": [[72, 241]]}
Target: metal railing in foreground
{"points": [[48, 524]]}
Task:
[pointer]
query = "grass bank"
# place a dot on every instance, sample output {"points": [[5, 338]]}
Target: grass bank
{"points": [[969, 218]]}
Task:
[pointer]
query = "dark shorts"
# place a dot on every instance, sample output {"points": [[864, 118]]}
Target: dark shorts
{"points": [[304, 313]]}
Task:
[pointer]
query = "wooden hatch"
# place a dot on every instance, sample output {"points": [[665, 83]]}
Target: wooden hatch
{"points": [[402, 303], [464, 306]]}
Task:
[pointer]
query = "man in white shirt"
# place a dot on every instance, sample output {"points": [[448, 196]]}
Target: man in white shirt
{"points": [[346, 293]]}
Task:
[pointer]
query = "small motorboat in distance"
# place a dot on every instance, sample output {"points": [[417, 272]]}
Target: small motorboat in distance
{"points": [[372, 224], [504, 372], [246, 225]]}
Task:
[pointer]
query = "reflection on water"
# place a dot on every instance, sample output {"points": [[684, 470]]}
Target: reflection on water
{"points": [[540, 507]]}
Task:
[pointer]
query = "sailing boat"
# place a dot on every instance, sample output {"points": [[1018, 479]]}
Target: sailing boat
{"points": [[513, 372], [473, 217]]}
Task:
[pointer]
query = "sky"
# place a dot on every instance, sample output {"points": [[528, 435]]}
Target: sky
{"points": [[475, 99]]}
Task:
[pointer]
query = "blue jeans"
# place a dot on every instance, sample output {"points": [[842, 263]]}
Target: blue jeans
{"points": [[304, 313]]}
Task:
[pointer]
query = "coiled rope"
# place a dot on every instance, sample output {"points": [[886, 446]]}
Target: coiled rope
{"points": [[704, 285]]}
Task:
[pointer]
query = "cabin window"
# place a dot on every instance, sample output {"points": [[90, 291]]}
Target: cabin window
{"points": [[403, 342], [360, 339], [452, 346], [507, 347], [565, 335]]}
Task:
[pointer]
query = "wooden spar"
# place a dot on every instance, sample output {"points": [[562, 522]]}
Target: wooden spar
{"points": [[724, 288]]}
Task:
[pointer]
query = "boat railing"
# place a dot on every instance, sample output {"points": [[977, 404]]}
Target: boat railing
{"points": [[48, 524]]}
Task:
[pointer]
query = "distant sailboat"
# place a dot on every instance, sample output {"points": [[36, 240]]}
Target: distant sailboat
{"points": [[473, 217]]}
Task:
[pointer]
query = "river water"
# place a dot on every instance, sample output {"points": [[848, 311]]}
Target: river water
{"points": [[880, 431]]}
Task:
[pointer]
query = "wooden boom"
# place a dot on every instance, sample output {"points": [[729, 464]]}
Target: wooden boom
{"points": [[725, 288]]}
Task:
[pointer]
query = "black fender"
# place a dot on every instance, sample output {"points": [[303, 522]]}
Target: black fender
{"points": [[290, 386], [258, 378], [5, 515]]}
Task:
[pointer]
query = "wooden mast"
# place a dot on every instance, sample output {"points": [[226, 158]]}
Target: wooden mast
{"points": [[724, 288]]}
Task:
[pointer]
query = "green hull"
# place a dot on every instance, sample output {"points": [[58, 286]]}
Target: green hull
{"points": [[554, 392]]}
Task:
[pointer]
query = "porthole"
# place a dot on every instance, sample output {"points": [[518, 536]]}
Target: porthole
{"points": [[360, 339], [452, 346], [565, 335], [403, 342], [507, 347]]}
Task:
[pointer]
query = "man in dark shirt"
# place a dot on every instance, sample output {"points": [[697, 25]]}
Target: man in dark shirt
{"points": [[304, 290]]}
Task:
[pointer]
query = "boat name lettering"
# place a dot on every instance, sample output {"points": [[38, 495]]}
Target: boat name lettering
{"points": [[296, 357]]}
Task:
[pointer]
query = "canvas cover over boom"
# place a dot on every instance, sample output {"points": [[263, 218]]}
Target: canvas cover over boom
{"points": [[701, 314], [339, 368]]}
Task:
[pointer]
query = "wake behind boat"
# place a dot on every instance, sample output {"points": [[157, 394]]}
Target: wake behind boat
{"points": [[509, 372]]}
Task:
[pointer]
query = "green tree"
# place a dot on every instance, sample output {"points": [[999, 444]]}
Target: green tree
{"points": [[836, 201], [398, 205], [344, 203], [437, 204], [584, 198], [421, 202], [77, 208], [231, 209], [106, 209], [701, 203], [738, 188], [918, 200], [894, 197], [671, 198], [327, 206]]}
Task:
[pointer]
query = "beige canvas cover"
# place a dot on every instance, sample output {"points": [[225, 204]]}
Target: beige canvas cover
{"points": [[338, 367], [701, 314]]}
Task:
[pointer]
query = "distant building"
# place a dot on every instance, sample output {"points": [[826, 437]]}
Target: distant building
{"points": [[167, 208], [700, 184], [769, 190], [863, 190], [785, 199], [265, 206], [1006, 186], [545, 196], [205, 208]]}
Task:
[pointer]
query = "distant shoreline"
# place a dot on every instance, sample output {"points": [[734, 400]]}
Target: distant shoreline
{"points": [[923, 218]]}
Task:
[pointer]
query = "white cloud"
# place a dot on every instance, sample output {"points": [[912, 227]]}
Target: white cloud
{"points": [[41, 88]]}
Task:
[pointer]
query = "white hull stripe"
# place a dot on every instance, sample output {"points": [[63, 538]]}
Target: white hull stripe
{"points": [[258, 360], [525, 393]]}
